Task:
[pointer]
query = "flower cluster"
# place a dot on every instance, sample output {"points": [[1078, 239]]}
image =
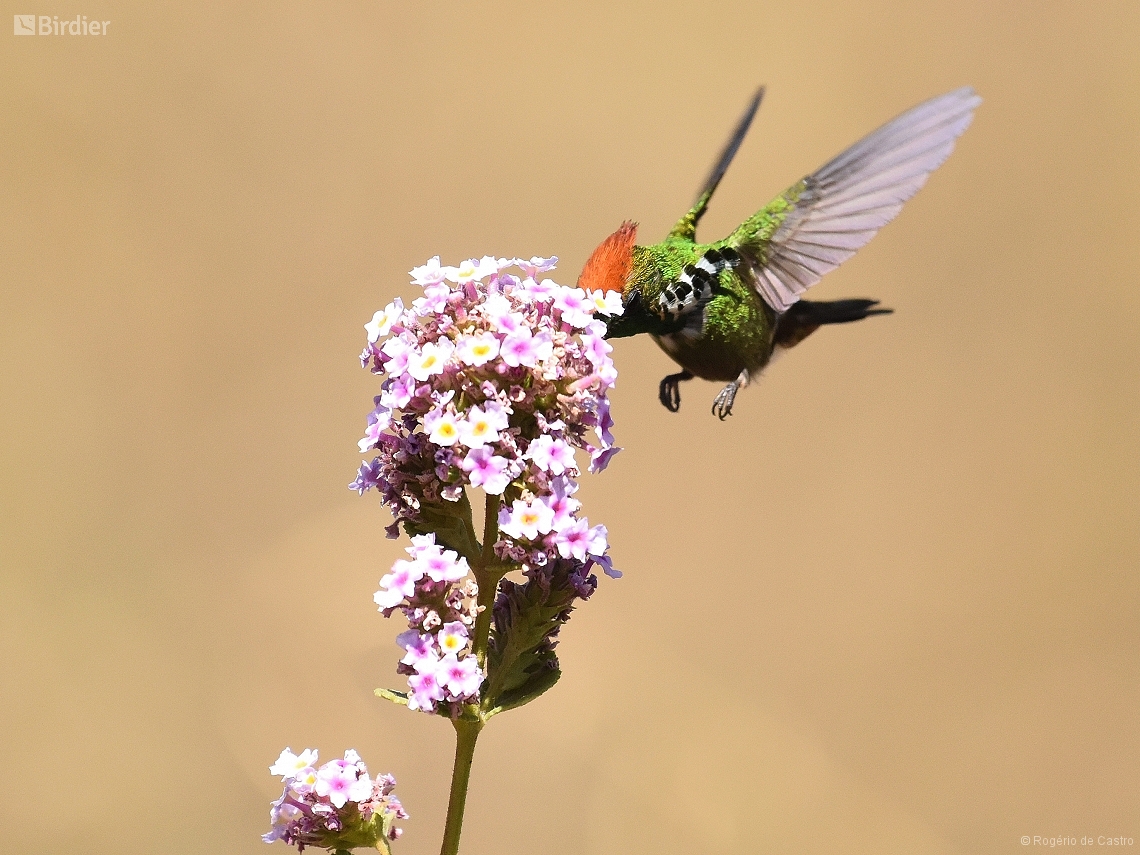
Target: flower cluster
{"points": [[493, 380], [438, 599], [335, 806]]}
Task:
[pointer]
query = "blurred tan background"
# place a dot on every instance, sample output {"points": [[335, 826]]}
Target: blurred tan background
{"points": [[890, 606]]}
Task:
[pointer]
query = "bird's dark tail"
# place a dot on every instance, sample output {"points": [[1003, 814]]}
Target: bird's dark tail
{"points": [[806, 316]]}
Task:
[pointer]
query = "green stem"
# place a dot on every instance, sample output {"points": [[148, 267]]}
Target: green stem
{"points": [[466, 732], [490, 530], [487, 581], [467, 729]]}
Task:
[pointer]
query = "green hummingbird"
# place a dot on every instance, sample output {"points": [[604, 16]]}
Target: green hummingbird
{"points": [[722, 310]]}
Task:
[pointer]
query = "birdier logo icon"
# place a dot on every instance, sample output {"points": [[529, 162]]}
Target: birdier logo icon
{"points": [[51, 25]]}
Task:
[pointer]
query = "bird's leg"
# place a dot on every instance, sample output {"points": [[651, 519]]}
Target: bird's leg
{"points": [[722, 403], [670, 393]]}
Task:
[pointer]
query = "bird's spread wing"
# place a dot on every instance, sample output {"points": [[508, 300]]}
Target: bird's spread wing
{"points": [[821, 221], [687, 225]]}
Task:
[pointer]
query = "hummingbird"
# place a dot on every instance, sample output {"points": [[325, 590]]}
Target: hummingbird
{"points": [[723, 310]]}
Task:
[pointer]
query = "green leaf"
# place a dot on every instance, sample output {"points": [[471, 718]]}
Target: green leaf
{"points": [[451, 523], [393, 696], [521, 663], [536, 684]]}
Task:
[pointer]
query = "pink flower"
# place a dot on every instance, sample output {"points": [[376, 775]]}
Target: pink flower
{"points": [[421, 544], [599, 542], [577, 309], [562, 503], [426, 687], [398, 584], [282, 815], [398, 392], [484, 469], [397, 352], [417, 646], [501, 313], [573, 541], [606, 374], [382, 321], [596, 348], [600, 458], [551, 455], [461, 677], [342, 808], [543, 291], [523, 348], [442, 565], [341, 781], [434, 300], [378, 422]]}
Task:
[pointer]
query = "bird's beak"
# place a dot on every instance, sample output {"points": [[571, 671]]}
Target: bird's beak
{"points": [[617, 326]]}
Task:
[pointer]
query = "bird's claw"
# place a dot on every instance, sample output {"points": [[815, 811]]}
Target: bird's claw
{"points": [[722, 403], [669, 392]]}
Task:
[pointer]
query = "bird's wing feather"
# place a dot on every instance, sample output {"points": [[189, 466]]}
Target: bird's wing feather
{"points": [[687, 226], [821, 221]]}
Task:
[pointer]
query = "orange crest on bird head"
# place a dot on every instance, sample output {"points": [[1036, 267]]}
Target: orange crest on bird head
{"points": [[608, 266]]}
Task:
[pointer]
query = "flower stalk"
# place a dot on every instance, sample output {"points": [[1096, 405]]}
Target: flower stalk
{"points": [[466, 734], [487, 579]]}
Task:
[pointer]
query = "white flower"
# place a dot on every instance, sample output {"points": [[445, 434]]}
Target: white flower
{"points": [[478, 349], [442, 426], [472, 270], [606, 302], [431, 273], [431, 359], [382, 321], [289, 764]]}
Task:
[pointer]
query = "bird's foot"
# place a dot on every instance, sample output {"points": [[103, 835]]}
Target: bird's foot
{"points": [[722, 403], [670, 391]]}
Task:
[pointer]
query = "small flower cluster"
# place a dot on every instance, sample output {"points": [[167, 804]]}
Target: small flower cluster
{"points": [[335, 806], [492, 381], [438, 598]]}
